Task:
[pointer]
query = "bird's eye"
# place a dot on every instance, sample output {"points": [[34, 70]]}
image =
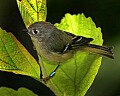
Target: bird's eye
{"points": [[35, 31]]}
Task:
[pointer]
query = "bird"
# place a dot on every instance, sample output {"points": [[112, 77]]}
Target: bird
{"points": [[56, 45]]}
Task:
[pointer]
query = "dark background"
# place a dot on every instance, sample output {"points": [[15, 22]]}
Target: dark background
{"points": [[105, 13]]}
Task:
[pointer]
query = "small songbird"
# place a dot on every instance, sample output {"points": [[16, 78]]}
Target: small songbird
{"points": [[58, 46]]}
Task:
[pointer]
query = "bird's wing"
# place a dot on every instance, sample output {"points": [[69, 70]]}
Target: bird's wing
{"points": [[79, 40], [76, 41]]}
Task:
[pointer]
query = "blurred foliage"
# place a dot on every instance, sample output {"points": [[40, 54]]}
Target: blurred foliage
{"points": [[20, 92]]}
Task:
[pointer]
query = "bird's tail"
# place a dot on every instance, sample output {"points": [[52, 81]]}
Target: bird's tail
{"points": [[101, 50]]}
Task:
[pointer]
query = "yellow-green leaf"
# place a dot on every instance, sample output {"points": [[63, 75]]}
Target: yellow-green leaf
{"points": [[15, 58], [75, 76], [4, 91], [32, 10]]}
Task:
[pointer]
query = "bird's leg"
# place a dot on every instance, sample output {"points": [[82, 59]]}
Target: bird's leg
{"points": [[51, 74]]}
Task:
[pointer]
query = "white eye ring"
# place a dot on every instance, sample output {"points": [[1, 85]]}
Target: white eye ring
{"points": [[35, 31]]}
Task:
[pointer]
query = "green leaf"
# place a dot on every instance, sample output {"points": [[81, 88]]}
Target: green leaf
{"points": [[82, 26], [15, 58], [4, 91], [75, 76], [32, 10]]}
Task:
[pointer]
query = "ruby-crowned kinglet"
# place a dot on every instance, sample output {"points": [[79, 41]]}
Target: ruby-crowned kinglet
{"points": [[58, 46]]}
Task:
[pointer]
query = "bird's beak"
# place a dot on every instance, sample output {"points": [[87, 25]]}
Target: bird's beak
{"points": [[25, 30]]}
